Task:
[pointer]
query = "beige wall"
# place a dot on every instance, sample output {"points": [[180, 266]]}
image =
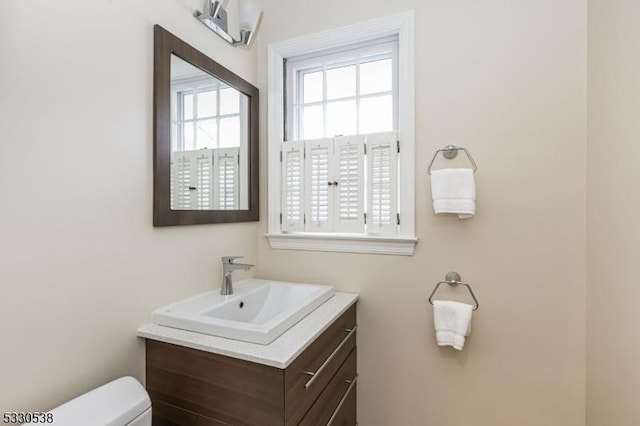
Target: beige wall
{"points": [[506, 80], [80, 264], [614, 237]]}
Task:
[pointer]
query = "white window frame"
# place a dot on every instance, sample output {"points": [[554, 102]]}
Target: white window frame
{"points": [[400, 25], [298, 66], [195, 86]]}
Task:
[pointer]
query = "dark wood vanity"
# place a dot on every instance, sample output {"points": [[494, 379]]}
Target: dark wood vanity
{"points": [[193, 387]]}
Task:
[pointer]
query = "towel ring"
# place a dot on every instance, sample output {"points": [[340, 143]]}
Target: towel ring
{"points": [[454, 279], [450, 152]]}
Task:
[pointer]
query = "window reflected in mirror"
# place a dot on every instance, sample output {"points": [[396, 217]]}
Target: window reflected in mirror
{"points": [[209, 141]]}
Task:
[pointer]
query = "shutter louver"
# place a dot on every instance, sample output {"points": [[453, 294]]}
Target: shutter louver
{"points": [[382, 183], [181, 176], [292, 186], [172, 185], [204, 180], [349, 173], [319, 205], [225, 183]]}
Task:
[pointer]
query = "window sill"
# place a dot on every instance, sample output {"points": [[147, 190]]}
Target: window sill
{"points": [[345, 243]]}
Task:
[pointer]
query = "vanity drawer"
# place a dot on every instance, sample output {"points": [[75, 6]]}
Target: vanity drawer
{"points": [[307, 377], [169, 415], [229, 390], [337, 401], [345, 414]]}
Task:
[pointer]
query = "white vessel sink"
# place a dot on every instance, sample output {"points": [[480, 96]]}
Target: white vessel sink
{"points": [[258, 311]]}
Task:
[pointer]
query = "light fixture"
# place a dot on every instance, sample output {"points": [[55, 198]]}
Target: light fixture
{"points": [[214, 16]]}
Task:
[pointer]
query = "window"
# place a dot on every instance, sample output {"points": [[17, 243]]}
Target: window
{"points": [[341, 139], [348, 92], [333, 184], [207, 115], [205, 156]]}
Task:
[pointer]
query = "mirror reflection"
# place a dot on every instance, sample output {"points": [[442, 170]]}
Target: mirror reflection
{"points": [[209, 141]]}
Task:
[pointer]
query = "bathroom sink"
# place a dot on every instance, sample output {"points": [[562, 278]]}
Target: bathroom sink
{"points": [[257, 312]]}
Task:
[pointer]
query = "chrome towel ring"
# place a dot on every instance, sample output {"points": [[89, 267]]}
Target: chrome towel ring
{"points": [[450, 152], [454, 279]]}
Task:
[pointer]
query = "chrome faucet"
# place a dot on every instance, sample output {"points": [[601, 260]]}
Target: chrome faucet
{"points": [[228, 266]]}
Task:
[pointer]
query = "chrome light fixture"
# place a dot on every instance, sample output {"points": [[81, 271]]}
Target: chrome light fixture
{"points": [[214, 16]]}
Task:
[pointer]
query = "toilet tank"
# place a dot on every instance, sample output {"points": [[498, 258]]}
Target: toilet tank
{"points": [[121, 402]]}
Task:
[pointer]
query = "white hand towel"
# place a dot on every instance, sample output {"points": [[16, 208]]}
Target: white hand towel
{"points": [[454, 191], [452, 321]]}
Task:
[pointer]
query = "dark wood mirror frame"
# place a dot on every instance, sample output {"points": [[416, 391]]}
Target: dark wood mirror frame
{"points": [[166, 44]]}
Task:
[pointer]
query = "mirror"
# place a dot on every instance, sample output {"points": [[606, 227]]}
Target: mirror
{"points": [[205, 138]]}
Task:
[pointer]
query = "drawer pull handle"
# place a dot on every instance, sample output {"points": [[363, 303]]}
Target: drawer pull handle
{"points": [[352, 383], [314, 375]]}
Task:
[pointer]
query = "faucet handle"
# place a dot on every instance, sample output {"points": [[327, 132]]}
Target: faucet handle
{"points": [[230, 259]]}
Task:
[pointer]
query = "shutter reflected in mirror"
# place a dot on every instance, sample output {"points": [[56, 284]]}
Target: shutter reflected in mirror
{"points": [[204, 181], [182, 165], [226, 172]]}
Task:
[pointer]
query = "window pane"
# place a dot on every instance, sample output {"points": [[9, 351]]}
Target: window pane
{"points": [[229, 101], [174, 135], [187, 106], [188, 142], [341, 82], [376, 114], [341, 118], [312, 122], [312, 87], [207, 104], [294, 133], [206, 134], [230, 132], [375, 76]]}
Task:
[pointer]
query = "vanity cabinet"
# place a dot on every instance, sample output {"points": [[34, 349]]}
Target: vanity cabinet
{"points": [[194, 387]]}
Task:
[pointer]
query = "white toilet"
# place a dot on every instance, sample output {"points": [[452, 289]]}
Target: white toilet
{"points": [[121, 402]]}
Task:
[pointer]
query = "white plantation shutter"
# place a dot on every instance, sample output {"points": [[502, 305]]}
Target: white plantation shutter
{"points": [[293, 186], [191, 179], [181, 179], [174, 182], [329, 184], [225, 178], [319, 194], [203, 180], [382, 183], [349, 193]]}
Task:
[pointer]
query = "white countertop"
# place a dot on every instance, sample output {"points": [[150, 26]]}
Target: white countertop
{"points": [[279, 353]]}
